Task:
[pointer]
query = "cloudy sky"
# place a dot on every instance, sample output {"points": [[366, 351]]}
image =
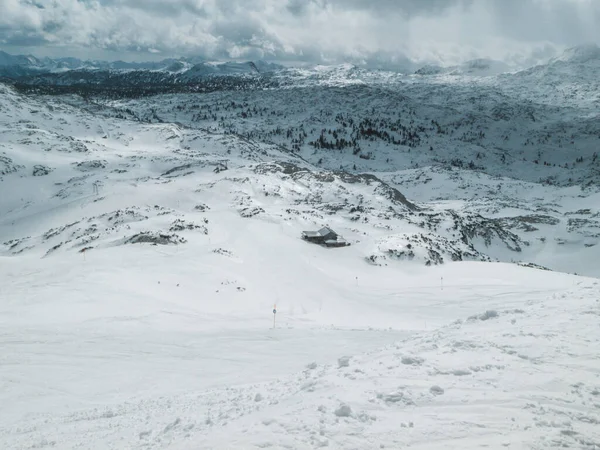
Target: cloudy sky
{"points": [[316, 31]]}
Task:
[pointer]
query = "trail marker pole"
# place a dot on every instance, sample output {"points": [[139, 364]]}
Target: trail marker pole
{"points": [[357, 281], [442, 283], [274, 314]]}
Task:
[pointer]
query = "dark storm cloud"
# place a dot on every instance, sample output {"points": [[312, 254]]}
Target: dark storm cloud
{"points": [[370, 31]]}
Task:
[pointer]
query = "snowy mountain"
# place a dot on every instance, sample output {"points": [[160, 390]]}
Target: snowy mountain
{"points": [[20, 60], [67, 71], [567, 81], [148, 233], [476, 67]]}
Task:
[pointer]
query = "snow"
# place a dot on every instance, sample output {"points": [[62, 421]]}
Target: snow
{"points": [[109, 341], [128, 361]]}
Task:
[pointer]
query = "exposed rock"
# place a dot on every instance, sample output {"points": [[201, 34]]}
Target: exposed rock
{"points": [[155, 238], [86, 166], [39, 170], [251, 211]]}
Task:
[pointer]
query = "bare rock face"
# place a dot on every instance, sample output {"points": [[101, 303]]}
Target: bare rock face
{"points": [[40, 171], [8, 166], [251, 211], [155, 238], [95, 164]]}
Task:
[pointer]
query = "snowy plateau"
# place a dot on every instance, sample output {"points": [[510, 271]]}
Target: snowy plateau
{"points": [[151, 221]]}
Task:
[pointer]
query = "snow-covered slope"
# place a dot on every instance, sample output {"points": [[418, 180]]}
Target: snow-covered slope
{"points": [[57, 156], [569, 80], [539, 125], [144, 244], [476, 67], [176, 351]]}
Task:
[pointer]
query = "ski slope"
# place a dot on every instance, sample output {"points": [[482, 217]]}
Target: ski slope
{"points": [[140, 264], [149, 349]]}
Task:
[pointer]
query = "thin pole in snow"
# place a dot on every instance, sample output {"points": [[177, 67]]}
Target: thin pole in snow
{"points": [[442, 283], [357, 281], [274, 314]]}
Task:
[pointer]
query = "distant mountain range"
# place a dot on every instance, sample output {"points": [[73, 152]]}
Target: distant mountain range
{"points": [[26, 66], [30, 70]]}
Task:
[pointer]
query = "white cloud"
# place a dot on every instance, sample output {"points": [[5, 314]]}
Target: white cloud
{"points": [[447, 31]]}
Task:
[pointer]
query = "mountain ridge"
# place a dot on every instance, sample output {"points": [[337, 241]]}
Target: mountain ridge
{"points": [[477, 67]]}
